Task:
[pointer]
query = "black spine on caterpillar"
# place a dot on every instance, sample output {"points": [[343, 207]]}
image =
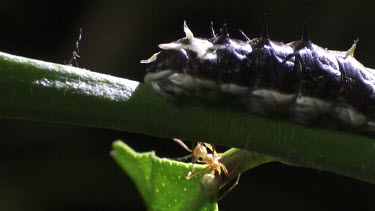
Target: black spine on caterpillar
{"points": [[301, 80]]}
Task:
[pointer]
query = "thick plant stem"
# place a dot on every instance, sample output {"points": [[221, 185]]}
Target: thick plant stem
{"points": [[37, 90]]}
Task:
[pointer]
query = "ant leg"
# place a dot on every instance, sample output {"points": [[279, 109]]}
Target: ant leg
{"points": [[231, 188], [222, 166], [197, 173]]}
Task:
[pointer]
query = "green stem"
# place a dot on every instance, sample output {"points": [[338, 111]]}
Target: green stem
{"points": [[238, 161], [37, 90]]}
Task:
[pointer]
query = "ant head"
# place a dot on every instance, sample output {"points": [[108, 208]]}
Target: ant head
{"points": [[200, 152]]}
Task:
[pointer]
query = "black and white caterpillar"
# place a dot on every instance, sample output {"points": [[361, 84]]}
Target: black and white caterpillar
{"points": [[300, 80]]}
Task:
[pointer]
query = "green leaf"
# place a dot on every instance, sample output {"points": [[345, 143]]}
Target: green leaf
{"points": [[162, 182]]}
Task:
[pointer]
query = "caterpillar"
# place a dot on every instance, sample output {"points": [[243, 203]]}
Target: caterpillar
{"points": [[299, 80]]}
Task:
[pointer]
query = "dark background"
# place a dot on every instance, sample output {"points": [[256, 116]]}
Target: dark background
{"points": [[45, 166]]}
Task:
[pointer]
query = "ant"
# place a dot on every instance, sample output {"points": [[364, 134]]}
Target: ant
{"points": [[201, 155], [209, 183]]}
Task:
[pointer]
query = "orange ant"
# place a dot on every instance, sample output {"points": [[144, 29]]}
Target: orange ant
{"points": [[209, 183], [201, 155]]}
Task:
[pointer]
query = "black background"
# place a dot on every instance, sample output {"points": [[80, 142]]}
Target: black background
{"points": [[46, 166]]}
